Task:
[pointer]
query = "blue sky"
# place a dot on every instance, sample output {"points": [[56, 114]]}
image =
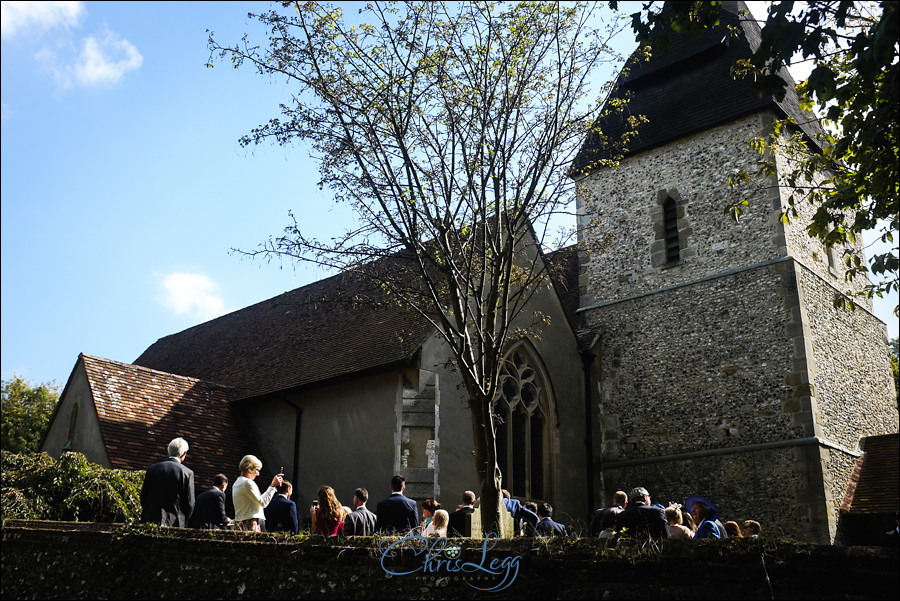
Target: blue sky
{"points": [[124, 187]]}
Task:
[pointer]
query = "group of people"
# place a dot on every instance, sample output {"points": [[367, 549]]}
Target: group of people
{"points": [[167, 499], [634, 515]]}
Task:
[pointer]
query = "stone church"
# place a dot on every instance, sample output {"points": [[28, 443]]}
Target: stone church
{"points": [[690, 354]]}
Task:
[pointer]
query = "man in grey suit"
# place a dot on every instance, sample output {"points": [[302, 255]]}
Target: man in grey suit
{"points": [[360, 521]]}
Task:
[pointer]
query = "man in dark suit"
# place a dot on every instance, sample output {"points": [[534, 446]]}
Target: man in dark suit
{"points": [[457, 523], [397, 513], [620, 500], [281, 512], [360, 521], [167, 496], [209, 510], [547, 527], [640, 519]]}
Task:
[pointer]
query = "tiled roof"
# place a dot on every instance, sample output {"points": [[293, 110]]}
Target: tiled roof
{"points": [[875, 482], [321, 331], [140, 410], [326, 330], [688, 88]]}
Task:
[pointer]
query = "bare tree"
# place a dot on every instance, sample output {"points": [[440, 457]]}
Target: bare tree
{"points": [[449, 128]]}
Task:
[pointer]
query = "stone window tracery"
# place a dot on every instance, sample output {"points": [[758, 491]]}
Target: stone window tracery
{"points": [[520, 419]]}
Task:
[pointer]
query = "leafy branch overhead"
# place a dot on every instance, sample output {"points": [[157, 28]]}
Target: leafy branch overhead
{"points": [[849, 176]]}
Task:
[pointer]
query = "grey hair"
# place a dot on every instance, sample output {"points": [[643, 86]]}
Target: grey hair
{"points": [[637, 494], [178, 447]]}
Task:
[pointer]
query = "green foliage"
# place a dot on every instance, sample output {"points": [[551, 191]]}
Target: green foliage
{"points": [[26, 414], [853, 183], [37, 487]]}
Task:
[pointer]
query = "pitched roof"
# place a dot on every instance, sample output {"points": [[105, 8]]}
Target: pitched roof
{"points": [[140, 410], [688, 88], [325, 330], [875, 483]]}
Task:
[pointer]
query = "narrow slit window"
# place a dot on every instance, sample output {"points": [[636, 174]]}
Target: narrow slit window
{"points": [[670, 222]]}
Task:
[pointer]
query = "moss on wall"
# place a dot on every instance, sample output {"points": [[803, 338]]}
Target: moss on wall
{"points": [[60, 560]]}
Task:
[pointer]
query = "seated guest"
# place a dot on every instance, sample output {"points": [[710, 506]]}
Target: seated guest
{"points": [[609, 523], [327, 513], [209, 509], [429, 506], [546, 526], [640, 519], [439, 521], [281, 513], [527, 528], [677, 529], [457, 526], [751, 529], [620, 501], [732, 529], [705, 514], [361, 521]]}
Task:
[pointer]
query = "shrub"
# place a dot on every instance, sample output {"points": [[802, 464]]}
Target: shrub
{"points": [[37, 487]]}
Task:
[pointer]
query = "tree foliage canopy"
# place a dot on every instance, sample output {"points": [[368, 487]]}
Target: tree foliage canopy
{"points": [[26, 413], [449, 129], [854, 86]]}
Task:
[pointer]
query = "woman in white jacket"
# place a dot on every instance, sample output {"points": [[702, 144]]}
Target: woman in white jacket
{"points": [[248, 503]]}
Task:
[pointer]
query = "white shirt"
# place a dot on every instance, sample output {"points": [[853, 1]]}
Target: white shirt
{"points": [[248, 503]]}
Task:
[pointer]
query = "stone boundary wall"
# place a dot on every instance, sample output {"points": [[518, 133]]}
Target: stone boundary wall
{"points": [[54, 560]]}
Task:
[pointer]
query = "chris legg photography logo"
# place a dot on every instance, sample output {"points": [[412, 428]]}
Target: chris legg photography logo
{"points": [[439, 560]]}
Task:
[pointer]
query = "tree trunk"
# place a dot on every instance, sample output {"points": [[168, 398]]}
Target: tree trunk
{"points": [[486, 464]]}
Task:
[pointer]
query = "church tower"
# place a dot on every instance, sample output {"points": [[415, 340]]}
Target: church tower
{"points": [[723, 368]]}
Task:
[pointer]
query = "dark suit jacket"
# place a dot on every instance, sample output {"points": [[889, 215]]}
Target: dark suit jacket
{"points": [[547, 527], [642, 520], [457, 524], [209, 510], [597, 520], [523, 519], [397, 513], [360, 522], [281, 515], [167, 497]]}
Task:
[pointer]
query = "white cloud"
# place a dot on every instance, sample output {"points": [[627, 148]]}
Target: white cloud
{"points": [[102, 61], [106, 60], [192, 294], [37, 17]]}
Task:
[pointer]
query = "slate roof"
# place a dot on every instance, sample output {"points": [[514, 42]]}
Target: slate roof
{"points": [[875, 483], [315, 334], [310, 335], [140, 410], [688, 88]]}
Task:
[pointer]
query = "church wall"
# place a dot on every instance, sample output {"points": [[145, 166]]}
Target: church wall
{"points": [[697, 368], [84, 432], [854, 388], [621, 211], [826, 263], [558, 352], [346, 438]]}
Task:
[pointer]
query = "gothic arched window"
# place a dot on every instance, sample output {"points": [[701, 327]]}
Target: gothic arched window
{"points": [[520, 418]]}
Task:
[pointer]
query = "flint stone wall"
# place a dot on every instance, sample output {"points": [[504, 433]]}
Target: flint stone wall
{"points": [[50, 560]]}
